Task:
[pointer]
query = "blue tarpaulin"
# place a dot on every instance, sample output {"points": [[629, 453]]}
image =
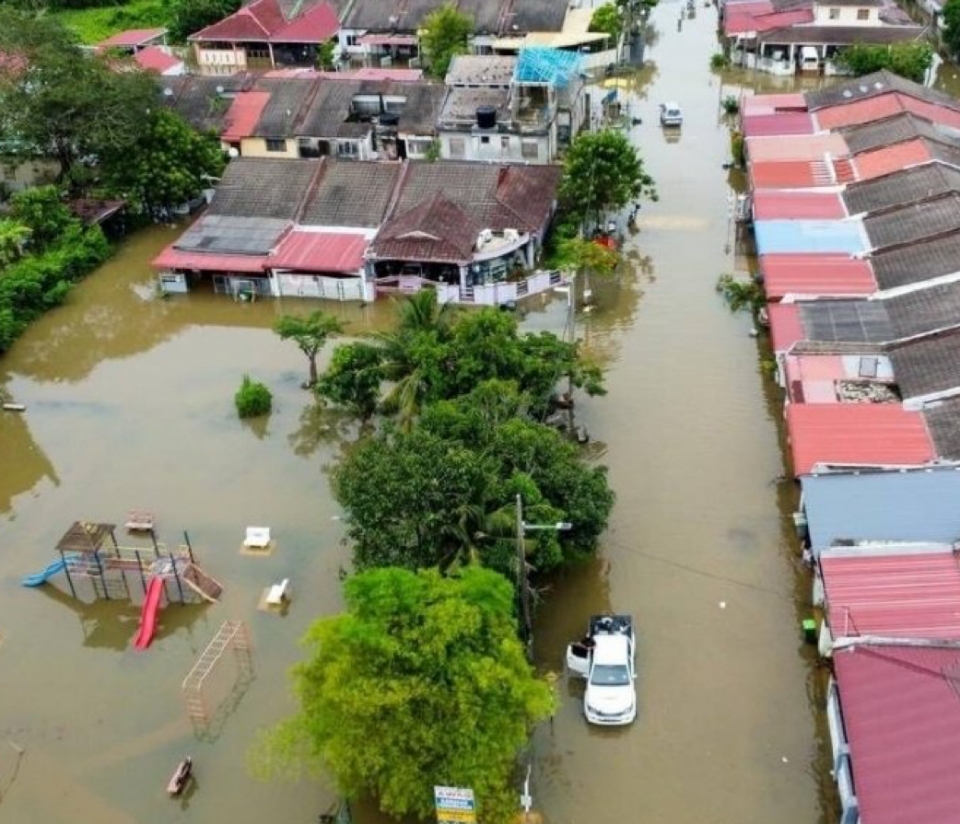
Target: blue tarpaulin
{"points": [[810, 236], [543, 65]]}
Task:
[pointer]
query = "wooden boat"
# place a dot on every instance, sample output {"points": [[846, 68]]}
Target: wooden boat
{"points": [[181, 776]]}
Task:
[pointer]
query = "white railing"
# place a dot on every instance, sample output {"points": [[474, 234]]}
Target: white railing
{"points": [[491, 294]]}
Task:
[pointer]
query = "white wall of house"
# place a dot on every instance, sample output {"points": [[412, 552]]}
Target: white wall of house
{"points": [[826, 15], [533, 149], [850, 811], [278, 148], [349, 46], [284, 283], [220, 61], [418, 145]]}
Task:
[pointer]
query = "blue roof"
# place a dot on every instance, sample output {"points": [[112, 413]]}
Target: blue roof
{"points": [[810, 236], [910, 506], [543, 65]]}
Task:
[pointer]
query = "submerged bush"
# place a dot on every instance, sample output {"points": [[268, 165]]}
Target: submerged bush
{"points": [[719, 61], [252, 399]]}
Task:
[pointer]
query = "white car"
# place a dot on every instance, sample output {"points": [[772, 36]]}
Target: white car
{"points": [[606, 659], [670, 115]]}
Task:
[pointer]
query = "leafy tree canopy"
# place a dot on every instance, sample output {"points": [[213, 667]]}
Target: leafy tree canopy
{"points": [[55, 99], [421, 682], [951, 22], [606, 19], [443, 493], [189, 16], [310, 333], [43, 212], [168, 164], [910, 60], [435, 355], [602, 172], [445, 35]]}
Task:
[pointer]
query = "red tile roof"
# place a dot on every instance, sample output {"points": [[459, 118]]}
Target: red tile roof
{"points": [[781, 123], [913, 595], [155, 59], [244, 113], [131, 38], [262, 21], [856, 434], [902, 719], [816, 275], [317, 25], [786, 326], [171, 258], [435, 230], [320, 252], [891, 159], [774, 204], [881, 106]]}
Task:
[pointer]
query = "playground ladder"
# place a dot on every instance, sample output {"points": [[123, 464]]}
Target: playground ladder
{"points": [[232, 634]]}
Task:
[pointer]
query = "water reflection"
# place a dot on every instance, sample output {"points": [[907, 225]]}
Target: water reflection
{"points": [[24, 464], [322, 425]]}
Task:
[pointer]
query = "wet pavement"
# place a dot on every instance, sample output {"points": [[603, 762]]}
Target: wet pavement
{"points": [[130, 406]]}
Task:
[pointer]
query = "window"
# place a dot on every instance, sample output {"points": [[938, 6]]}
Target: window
{"points": [[505, 143], [485, 139], [348, 148], [274, 145], [863, 14], [529, 149], [352, 40], [834, 14], [458, 147]]}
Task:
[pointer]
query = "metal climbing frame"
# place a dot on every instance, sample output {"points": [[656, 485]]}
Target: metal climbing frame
{"points": [[231, 635]]}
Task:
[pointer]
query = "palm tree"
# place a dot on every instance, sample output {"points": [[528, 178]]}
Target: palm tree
{"points": [[421, 312]]}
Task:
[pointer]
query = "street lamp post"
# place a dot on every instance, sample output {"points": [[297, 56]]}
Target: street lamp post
{"points": [[523, 583]]}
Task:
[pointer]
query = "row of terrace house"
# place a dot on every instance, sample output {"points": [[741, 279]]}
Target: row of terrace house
{"points": [[523, 108], [270, 34], [787, 37], [340, 230], [854, 211]]}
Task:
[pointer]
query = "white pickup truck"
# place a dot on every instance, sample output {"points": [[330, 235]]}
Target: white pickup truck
{"points": [[606, 659]]}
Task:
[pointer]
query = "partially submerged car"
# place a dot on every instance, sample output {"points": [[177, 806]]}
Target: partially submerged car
{"points": [[606, 658], [670, 115]]}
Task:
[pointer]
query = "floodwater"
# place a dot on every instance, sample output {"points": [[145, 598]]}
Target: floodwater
{"points": [[129, 405]]}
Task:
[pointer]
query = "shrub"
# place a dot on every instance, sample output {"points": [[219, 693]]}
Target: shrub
{"points": [[719, 61], [252, 399], [730, 104]]}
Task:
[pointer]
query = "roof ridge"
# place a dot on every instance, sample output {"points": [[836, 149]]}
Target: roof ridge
{"points": [[397, 190], [312, 190]]}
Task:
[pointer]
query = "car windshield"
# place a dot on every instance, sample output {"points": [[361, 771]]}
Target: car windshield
{"points": [[610, 675]]}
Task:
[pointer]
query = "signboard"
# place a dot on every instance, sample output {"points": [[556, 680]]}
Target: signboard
{"points": [[455, 805]]}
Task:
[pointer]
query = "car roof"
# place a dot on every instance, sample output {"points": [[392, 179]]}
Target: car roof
{"points": [[611, 649], [671, 104]]}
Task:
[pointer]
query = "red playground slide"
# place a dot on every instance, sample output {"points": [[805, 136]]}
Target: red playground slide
{"points": [[148, 615]]}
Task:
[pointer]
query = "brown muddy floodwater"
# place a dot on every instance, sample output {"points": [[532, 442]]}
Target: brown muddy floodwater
{"points": [[129, 405]]}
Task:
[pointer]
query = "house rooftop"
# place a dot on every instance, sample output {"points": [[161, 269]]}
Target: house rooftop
{"points": [[228, 235], [435, 230], [874, 85], [902, 723], [943, 420], [927, 366], [847, 321], [801, 274], [830, 35], [893, 593], [925, 311], [809, 237], [351, 193], [883, 106], [284, 112], [157, 59], [132, 38], [481, 70], [910, 223], [896, 129], [778, 204], [489, 16], [273, 21], [461, 104], [258, 188], [203, 101], [917, 262], [903, 187], [910, 505]]}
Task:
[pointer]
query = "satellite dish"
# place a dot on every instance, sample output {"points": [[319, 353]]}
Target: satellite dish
{"points": [[233, 152]]}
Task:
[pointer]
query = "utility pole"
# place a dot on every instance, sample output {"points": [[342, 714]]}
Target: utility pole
{"points": [[523, 585]]}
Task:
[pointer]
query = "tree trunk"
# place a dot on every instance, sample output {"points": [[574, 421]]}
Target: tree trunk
{"points": [[313, 370]]}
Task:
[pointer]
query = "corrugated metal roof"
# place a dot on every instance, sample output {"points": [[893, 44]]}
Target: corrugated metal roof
{"points": [[320, 252], [848, 321], [789, 174], [902, 719], [861, 111], [891, 158], [917, 505], [781, 123], [785, 325], [809, 236], [131, 38], [914, 595], [796, 147], [917, 262], [856, 434], [243, 114], [754, 104], [171, 258], [816, 275], [774, 204], [926, 366]]}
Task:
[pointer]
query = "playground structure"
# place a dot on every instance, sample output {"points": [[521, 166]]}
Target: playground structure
{"points": [[204, 711], [89, 551]]}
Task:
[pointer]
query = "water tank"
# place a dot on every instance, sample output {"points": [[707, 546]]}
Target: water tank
{"points": [[487, 117]]}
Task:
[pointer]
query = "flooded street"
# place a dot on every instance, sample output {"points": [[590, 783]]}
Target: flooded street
{"points": [[129, 405]]}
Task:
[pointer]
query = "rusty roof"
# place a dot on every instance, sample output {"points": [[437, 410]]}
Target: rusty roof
{"points": [[85, 536]]}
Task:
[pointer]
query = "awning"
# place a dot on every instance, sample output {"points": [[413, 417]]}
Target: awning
{"points": [[388, 40], [171, 258], [320, 252]]}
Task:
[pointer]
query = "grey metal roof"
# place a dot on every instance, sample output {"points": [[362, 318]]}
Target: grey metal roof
{"points": [[848, 321], [917, 262], [351, 193], [902, 187], [915, 506], [461, 104], [943, 421], [872, 85], [908, 224], [924, 311], [537, 15], [263, 188], [203, 101], [926, 366], [840, 35], [232, 235], [489, 16], [422, 108], [289, 99]]}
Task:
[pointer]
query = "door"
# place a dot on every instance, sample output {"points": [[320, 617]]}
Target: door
{"points": [[578, 659]]}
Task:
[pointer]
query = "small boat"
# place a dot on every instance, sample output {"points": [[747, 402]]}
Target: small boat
{"points": [[180, 778]]}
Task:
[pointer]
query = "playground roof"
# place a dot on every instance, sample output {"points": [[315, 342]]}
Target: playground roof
{"points": [[85, 536]]}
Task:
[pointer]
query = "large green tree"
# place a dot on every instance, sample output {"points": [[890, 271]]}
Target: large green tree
{"points": [[910, 60], [189, 16], [436, 354], [446, 32], [607, 19], [310, 333], [602, 172], [421, 682], [442, 494], [56, 100], [951, 26], [168, 163]]}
